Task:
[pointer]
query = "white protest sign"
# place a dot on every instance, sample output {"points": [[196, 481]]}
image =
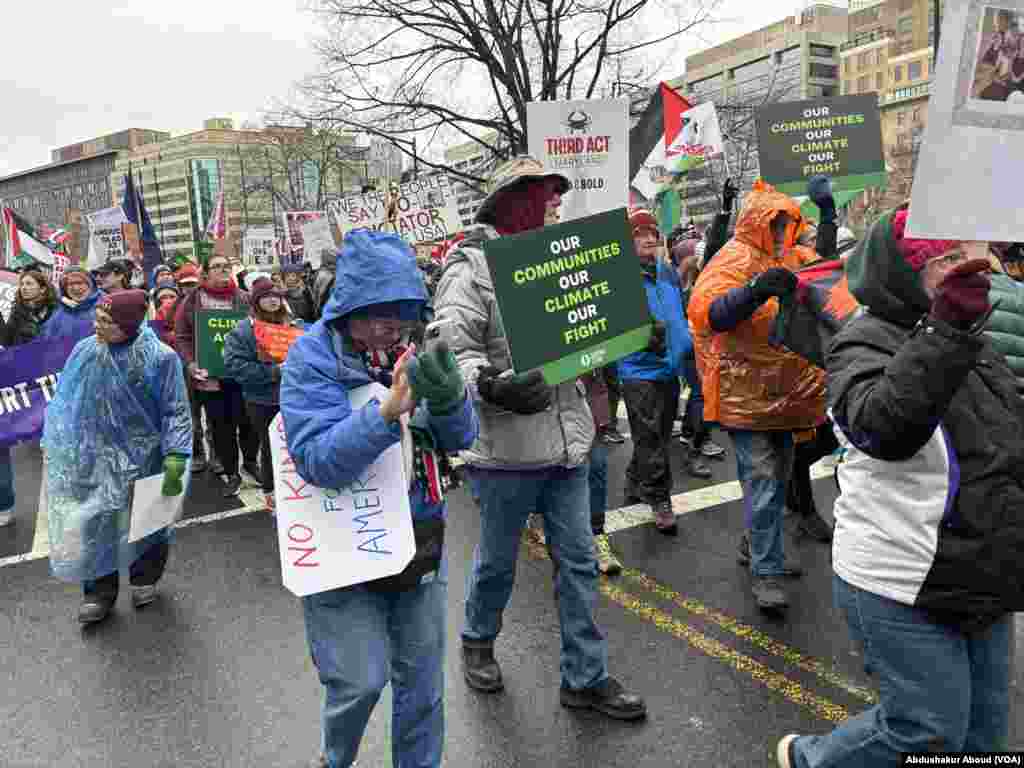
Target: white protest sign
{"points": [[333, 538], [971, 161], [105, 238], [587, 141], [317, 238], [294, 221], [427, 210], [151, 510], [700, 135], [258, 247], [8, 292]]}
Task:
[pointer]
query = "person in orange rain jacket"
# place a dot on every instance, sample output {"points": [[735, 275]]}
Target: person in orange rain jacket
{"points": [[757, 392]]}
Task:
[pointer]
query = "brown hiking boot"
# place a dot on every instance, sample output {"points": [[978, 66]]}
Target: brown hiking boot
{"points": [[664, 517]]}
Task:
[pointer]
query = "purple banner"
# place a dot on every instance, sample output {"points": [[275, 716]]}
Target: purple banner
{"points": [[28, 381]]}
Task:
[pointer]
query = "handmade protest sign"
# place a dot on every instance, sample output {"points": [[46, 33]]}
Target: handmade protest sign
{"points": [[151, 510], [294, 221], [258, 247], [587, 141], [571, 296], [105, 238], [971, 161], [427, 210], [212, 327], [839, 137], [28, 381], [333, 538], [317, 238], [8, 292], [275, 340]]}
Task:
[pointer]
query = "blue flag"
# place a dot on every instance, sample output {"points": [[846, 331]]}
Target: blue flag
{"points": [[135, 209]]}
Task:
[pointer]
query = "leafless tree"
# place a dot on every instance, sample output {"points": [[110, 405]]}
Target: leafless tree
{"points": [[425, 74]]}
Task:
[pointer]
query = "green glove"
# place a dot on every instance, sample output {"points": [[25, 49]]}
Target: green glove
{"points": [[174, 468], [435, 378]]}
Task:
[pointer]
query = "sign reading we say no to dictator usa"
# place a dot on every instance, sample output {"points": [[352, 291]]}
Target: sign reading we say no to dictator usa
{"points": [[424, 211], [839, 137], [587, 141], [333, 538], [571, 295]]}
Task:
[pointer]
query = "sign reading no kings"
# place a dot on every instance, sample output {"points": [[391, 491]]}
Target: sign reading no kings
{"points": [[571, 295], [840, 137]]}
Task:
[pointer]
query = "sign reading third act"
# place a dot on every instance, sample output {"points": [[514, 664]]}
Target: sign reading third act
{"points": [[571, 295]]}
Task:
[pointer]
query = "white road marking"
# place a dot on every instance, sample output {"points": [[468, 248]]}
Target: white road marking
{"points": [[619, 519]]}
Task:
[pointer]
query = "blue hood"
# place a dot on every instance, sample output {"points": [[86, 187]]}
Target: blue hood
{"points": [[373, 268]]}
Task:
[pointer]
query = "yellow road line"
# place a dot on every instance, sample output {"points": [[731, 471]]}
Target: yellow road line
{"points": [[774, 681], [791, 690], [752, 635]]}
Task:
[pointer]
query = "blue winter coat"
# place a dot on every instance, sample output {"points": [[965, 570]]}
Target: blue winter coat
{"points": [[242, 363], [78, 322], [665, 302], [331, 444]]}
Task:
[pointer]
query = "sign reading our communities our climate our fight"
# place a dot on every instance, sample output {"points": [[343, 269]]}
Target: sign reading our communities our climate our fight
{"points": [[587, 142], [840, 138], [212, 327], [571, 295]]}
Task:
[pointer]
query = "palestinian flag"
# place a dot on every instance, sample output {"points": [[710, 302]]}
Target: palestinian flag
{"points": [[820, 308], [20, 243], [658, 129]]}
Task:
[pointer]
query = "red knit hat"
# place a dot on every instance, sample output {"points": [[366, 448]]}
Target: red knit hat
{"points": [[917, 252], [263, 287], [641, 218], [126, 308], [187, 272]]}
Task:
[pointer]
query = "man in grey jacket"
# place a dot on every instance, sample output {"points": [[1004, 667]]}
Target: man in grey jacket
{"points": [[531, 455]]}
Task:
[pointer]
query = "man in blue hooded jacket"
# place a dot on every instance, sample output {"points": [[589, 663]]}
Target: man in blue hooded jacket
{"points": [[363, 636]]}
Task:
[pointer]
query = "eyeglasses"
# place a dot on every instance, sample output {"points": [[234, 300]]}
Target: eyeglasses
{"points": [[953, 257]]}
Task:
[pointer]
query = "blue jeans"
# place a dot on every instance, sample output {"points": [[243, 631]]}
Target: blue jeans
{"points": [[562, 497], [764, 461], [941, 689], [597, 479], [360, 640], [6, 481]]}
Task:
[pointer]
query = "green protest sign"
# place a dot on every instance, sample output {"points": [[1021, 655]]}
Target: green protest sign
{"points": [[212, 327], [571, 295], [840, 137]]}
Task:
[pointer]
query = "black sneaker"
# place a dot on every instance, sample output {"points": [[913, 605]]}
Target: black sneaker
{"points": [[814, 527], [789, 569], [94, 609], [609, 698], [612, 436], [697, 467], [770, 594], [252, 472], [198, 464], [480, 667], [232, 484], [216, 466]]}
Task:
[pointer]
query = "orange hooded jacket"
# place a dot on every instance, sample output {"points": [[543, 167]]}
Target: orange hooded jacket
{"points": [[747, 382]]}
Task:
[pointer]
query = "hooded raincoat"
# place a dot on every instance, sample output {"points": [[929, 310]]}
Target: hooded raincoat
{"points": [[118, 411], [74, 320], [749, 383], [330, 443]]}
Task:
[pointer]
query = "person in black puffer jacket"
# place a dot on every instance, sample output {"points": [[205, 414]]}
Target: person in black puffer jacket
{"points": [[35, 303], [930, 518]]}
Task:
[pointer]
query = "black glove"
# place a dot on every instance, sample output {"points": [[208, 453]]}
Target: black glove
{"points": [[729, 192], [777, 281], [819, 189], [523, 393], [656, 344]]}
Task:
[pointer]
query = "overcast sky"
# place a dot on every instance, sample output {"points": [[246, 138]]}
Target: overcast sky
{"points": [[72, 71]]}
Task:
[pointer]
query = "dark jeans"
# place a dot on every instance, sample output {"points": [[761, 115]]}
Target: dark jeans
{"points": [[652, 407], [144, 572], [611, 380], [799, 496], [260, 415], [225, 410], [597, 478], [198, 434], [693, 417]]}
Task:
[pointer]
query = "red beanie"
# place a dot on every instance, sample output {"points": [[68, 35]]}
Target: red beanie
{"points": [[127, 309], [916, 252]]}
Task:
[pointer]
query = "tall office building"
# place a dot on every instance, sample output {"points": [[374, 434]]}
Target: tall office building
{"points": [[795, 58]]}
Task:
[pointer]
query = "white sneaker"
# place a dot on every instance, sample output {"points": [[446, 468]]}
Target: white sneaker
{"points": [[6, 518], [782, 751]]}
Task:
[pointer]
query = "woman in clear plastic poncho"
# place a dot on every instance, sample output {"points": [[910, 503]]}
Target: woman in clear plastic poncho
{"points": [[121, 413]]}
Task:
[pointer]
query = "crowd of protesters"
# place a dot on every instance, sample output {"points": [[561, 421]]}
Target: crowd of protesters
{"points": [[919, 395]]}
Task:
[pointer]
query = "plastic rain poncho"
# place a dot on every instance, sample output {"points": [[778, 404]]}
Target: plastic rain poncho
{"points": [[117, 412]]}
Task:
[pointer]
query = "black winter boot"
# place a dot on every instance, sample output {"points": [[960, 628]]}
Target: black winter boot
{"points": [[480, 667]]}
